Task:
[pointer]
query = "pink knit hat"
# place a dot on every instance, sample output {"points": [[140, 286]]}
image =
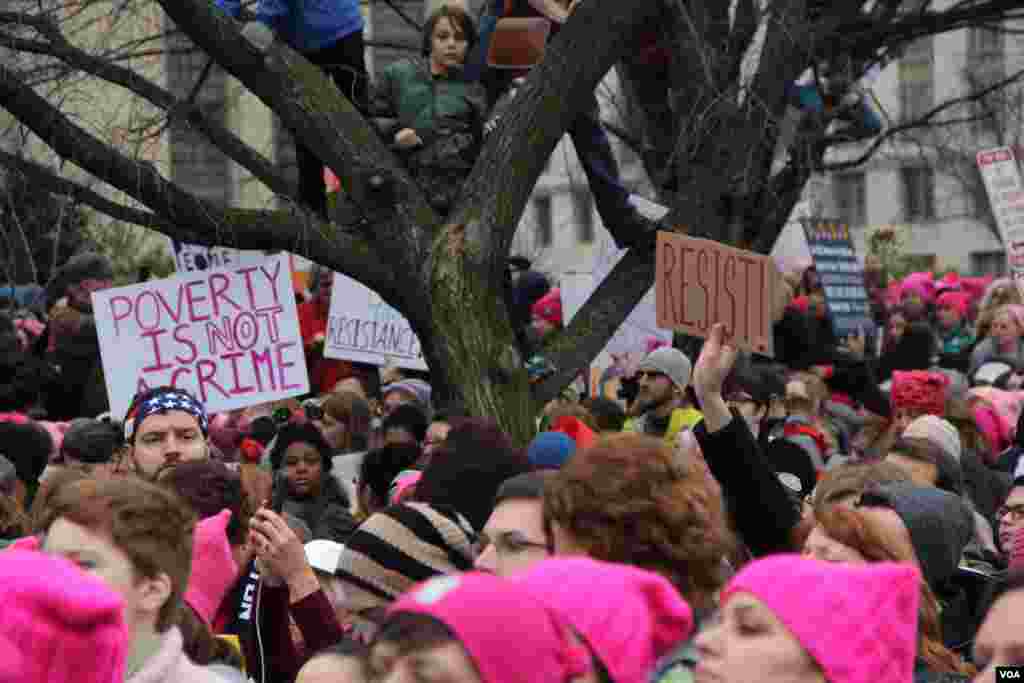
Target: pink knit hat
{"points": [[510, 636], [996, 413], [858, 622], [66, 625], [921, 284], [920, 389], [639, 619], [214, 569], [957, 301], [549, 307]]}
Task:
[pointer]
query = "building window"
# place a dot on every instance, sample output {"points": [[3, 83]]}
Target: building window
{"points": [[583, 206], [986, 59], [918, 193], [916, 71], [850, 191], [543, 218], [196, 164], [988, 263]]}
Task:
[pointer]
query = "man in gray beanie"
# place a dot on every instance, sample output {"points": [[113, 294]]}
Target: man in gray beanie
{"points": [[662, 408]]}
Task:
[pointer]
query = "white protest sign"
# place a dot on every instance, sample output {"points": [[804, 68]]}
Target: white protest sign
{"points": [[641, 325], [229, 336], [362, 328], [1001, 174], [192, 258]]}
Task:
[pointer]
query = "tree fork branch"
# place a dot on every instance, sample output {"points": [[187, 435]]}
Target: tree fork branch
{"points": [[185, 110], [186, 217], [323, 119]]}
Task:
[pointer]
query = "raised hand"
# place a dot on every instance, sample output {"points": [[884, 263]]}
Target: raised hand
{"points": [[716, 361]]}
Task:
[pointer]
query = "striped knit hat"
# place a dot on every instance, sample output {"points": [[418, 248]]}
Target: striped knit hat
{"points": [[401, 546]]}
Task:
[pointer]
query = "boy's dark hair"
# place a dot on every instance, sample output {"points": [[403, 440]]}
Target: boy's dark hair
{"points": [[410, 418], [380, 467], [460, 21]]}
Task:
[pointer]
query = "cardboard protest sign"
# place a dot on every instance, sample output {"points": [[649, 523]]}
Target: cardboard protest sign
{"points": [[700, 282], [1000, 171], [193, 258], [229, 336], [841, 276], [362, 327]]}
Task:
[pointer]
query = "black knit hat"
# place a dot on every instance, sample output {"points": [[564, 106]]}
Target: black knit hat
{"points": [[88, 265], [91, 441], [940, 525], [403, 545]]}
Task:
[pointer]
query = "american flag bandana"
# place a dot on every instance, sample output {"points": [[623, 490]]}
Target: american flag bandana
{"points": [[162, 403]]}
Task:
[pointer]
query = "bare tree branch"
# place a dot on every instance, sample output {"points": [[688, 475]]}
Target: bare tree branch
{"points": [[46, 178], [186, 217], [233, 146]]}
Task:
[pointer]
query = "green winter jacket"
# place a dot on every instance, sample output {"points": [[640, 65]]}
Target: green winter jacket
{"points": [[447, 113]]}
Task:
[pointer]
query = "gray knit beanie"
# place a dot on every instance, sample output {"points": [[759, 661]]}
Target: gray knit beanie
{"points": [[939, 522]]}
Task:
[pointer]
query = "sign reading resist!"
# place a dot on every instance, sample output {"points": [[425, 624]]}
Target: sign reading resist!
{"points": [[700, 282], [229, 336]]}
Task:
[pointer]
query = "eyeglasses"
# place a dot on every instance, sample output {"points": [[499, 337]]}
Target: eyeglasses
{"points": [[506, 545], [1015, 511]]}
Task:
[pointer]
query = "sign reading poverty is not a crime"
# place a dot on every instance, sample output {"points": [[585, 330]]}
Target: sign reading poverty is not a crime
{"points": [[229, 336], [361, 327], [841, 276], [700, 282]]}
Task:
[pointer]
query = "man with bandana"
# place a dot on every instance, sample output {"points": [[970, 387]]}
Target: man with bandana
{"points": [[165, 426]]}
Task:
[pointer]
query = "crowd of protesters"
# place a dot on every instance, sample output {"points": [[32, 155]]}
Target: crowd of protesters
{"points": [[851, 511]]}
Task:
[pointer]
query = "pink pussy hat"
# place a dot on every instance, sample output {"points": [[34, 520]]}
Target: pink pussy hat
{"points": [[214, 569], [509, 635], [66, 625], [639, 619], [858, 622]]}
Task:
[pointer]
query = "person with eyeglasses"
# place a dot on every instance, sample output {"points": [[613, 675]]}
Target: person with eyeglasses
{"points": [[1010, 516], [662, 408], [513, 539]]}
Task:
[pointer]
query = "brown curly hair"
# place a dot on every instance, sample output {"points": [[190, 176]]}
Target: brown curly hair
{"points": [[628, 499], [852, 528]]}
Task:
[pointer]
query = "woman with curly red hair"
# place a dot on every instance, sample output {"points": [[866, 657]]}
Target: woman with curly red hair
{"points": [[629, 499]]}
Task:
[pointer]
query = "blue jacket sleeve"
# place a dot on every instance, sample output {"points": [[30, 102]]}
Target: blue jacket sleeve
{"points": [[273, 12], [232, 8]]}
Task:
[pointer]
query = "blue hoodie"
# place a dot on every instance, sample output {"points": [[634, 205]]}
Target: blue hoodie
{"points": [[306, 25]]}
